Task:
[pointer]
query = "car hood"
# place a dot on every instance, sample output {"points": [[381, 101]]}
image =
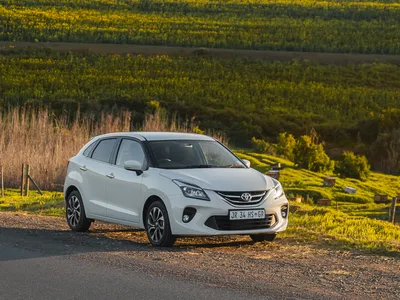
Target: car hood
{"points": [[222, 179]]}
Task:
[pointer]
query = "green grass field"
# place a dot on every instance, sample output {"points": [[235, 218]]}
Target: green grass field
{"points": [[293, 25], [48, 204], [241, 97], [302, 182], [354, 226]]}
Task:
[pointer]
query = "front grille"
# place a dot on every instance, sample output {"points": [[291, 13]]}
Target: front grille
{"points": [[236, 197], [223, 223]]}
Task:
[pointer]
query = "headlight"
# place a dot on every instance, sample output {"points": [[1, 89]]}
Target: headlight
{"points": [[192, 191], [278, 189]]}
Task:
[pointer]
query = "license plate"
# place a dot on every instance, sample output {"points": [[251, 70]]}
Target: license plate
{"points": [[246, 214]]}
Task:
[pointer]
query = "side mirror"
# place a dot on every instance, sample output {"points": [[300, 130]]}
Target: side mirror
{"points": [[134, 165], [246, 162]]}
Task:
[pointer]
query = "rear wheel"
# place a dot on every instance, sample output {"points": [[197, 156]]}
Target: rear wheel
{"points": [[75, 213], [263, 237], [158, 227]]}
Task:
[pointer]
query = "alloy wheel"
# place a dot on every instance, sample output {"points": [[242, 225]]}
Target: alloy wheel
{"points": [[74, 211], [156, 224]]}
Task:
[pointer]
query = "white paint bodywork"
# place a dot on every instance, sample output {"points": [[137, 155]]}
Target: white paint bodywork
{"points": [[121, 199]]}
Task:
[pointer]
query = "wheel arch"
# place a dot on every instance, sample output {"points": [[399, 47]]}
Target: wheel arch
{"points": [[150, 200], [69, 190]]}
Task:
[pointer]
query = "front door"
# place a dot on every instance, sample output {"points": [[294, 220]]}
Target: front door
{"points": [[124, 188]]}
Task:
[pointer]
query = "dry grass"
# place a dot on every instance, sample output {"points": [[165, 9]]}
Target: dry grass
{"points": [[46, 142]]}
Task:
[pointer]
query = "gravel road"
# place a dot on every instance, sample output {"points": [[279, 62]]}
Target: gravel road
{"points": [[41, 259]]}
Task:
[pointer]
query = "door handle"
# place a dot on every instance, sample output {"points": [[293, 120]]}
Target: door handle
{"points": [[83, 168], [110, 175]]}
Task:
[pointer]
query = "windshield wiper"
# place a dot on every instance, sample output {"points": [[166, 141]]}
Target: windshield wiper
{"points": [[234, 166], [199, 166]]}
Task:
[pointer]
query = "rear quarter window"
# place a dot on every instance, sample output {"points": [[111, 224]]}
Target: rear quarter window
{"points": [[89, 149]]}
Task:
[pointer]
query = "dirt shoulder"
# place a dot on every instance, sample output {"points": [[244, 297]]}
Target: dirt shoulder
{"points": [[319, 57], [279, 269]]}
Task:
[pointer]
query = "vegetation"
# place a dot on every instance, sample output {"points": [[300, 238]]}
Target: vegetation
{"points": [[286, 145], [242, 98], [262, 146], [302, 182], [48, 204], [46, 142], [386, 150], [310, 155], [343, 230], [353, 166], [293, 25]]}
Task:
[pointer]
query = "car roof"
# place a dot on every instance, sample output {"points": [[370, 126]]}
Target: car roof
{"points": [[159, 136]]}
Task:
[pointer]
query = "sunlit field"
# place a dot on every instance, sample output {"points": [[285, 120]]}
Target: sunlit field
{"points": [[291, 25]]}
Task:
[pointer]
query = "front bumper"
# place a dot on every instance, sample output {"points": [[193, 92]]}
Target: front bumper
{"points": [[212, 217]]}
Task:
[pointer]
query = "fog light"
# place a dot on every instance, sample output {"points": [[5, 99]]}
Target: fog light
{"points": [[284, 211], [188, 214]]}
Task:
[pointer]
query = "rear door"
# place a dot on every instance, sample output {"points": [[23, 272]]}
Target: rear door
{"points": [[124, 189], [94, 172]]}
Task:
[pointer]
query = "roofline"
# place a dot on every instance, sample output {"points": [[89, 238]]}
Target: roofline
{"points": [[142, 135]]}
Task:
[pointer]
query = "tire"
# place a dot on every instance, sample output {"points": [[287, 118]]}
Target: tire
{"points": [[267, 237], [75, 213], [157, 225]]}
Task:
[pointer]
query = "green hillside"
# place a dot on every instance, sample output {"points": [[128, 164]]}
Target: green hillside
{"points": [[303, 182], [243, 98], [293, 25]]}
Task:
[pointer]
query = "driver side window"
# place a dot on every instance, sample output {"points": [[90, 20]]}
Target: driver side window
{"points": [[130, 150]]}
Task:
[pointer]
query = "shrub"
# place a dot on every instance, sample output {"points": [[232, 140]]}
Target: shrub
{"points": [[353, 166], [263, 146], [286, 145], [311, 156]]}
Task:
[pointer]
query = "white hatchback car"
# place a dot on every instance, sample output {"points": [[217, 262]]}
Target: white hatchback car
{"points": [[171, 184]]}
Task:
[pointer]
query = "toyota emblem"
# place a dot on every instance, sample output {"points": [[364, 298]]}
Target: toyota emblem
{"points": [[246, 197]]}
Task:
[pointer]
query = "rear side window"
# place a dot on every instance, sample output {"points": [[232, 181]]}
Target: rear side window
{"points": [[103, 150], [88, 149]]}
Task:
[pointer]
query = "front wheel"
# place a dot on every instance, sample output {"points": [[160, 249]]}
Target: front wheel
{"points": [[157, 226], [263, 237], [75, 213]]}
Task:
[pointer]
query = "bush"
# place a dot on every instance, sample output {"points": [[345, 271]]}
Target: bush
{"points": [[353, 166], [263, 146], [286, 145], [311, 156]]}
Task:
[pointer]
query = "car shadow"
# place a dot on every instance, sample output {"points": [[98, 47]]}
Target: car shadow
{"points": [[25, 243]]}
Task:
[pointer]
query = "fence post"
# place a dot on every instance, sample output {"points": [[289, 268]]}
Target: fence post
{"points": [[392, 212], [2, 180], [22, 179], [27, 180]]}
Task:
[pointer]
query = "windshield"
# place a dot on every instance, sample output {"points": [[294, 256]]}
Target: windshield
{"points": [[180, 154]]}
